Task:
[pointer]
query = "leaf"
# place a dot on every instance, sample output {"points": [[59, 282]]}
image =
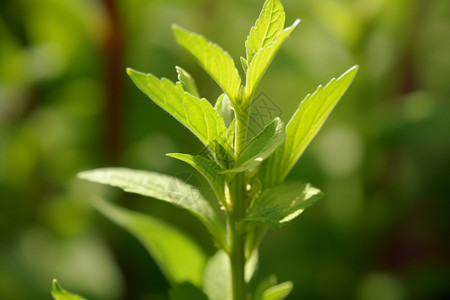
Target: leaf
{"points": [[278, 205], [216, 279], [196, 114], [261, 146], [266, 29], [59, 293], [187, 82], [178, 257], [225, 108], [303, 127], [216, 62], [208, 168], [278, 292], [269, 290], [244, 64], [251, 265], [161, 187], [186, 291], [262, 60]]}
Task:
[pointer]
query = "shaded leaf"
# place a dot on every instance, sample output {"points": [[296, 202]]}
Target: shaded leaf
{"points": [[59, 293], [262, 60], [279, 205], [218, 63], [196, 114], [187, 82], [261, 146], [179, 258], [216, 282], [208, 168], [225, 108], [303, 127], [161, 187], [266, 29], [186, 291]]}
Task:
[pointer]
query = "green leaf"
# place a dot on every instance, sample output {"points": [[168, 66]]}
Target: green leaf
{"points": [[262, 60], [162, 187], [187, 82], [278, 292], [266, 29], [179, 258], [217, 275], [186, 291], [196, 114], [303, 127], [216, 279], [269, 290], [59, 293], [244, 64], [208, 168], [278, 205], [261, 146], [225, 108], [218, 63]]}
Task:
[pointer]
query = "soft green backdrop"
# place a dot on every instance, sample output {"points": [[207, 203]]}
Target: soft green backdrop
{"points": [[383, 158]]}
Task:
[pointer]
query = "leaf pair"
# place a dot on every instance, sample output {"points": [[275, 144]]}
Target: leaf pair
{"points": [[264, 40]]}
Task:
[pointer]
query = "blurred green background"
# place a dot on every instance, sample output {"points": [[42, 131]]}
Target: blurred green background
{"points": [[383, 157]]}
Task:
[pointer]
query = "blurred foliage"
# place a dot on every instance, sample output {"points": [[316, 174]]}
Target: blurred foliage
{"points": [[383, 158]]}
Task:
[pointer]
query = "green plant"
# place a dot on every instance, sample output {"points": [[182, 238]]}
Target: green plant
{"points": [[247, 176]]}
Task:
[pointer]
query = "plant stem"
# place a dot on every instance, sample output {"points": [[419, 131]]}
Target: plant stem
{"points": [[237, 238], [237, 185]]}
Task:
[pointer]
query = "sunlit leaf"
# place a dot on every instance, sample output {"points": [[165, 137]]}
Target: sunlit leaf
{"points": [[262, 60], [162, 187], [266, 29], [261, 146], [303, 127], [187, 82], [179, 258], [268, 289], [281, 204], [278, 292], [218, 63], [59, 293], [196, 114]]}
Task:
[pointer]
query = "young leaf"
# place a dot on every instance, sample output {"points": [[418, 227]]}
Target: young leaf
{"points": [[208, 168], [244, 64], [262, 60], [278, 205], [59, 293], [162, 187], [179, 258], [187, 82], [225, 108], [278, 292], [261, 146], [303, 127], [266, 29], [196, 114], [186, 291], [218, 63], [216, 279]]}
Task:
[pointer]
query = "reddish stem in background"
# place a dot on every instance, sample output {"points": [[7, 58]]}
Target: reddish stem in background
{"points": [[112, 76]]}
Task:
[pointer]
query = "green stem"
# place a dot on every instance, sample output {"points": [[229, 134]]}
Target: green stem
{"points": [[238, 203], [237, 238]]}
